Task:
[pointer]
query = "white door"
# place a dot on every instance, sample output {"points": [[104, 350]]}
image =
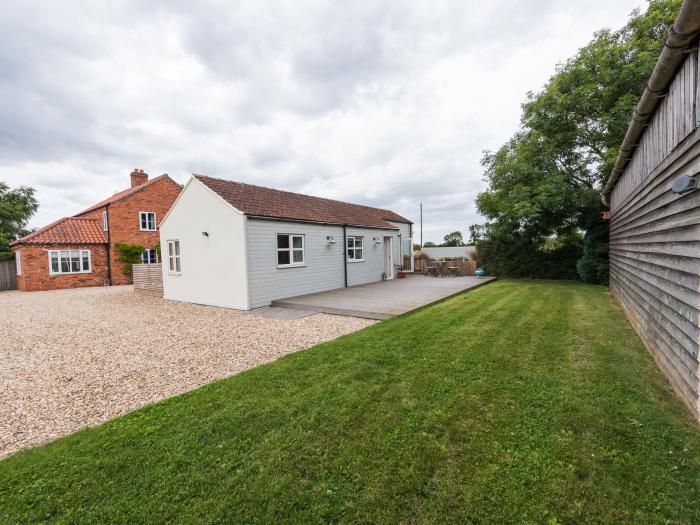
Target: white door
{"points": [[388, 258]]}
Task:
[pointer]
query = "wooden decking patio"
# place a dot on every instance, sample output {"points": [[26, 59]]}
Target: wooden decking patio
{"points": [[385, 299]]}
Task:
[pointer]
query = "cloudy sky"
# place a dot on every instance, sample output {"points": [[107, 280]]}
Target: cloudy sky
{"points": [[388, 103]]}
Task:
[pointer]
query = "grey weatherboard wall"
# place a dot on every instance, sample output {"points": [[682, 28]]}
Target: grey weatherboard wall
{"points": [[324, 269], [655, 237]]}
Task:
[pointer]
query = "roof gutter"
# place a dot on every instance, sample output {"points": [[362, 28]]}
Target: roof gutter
{"points": [[680, 37]]}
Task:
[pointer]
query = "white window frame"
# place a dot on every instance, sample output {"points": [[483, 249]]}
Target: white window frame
{"points": [[174, 257], [60, 258], [353, 239], [18, 262], [148, 223], [146, 256], [105, 221], [291, 250]]}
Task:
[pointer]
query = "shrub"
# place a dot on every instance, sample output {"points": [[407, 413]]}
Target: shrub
{"points": [[129, 254]]}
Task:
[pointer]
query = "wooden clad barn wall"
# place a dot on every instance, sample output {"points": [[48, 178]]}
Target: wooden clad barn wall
{"points": [[8, 275], [673, 120], [148, 279], [655, 244]]}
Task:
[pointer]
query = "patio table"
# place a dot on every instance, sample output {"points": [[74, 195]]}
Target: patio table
{"points": [[442, 270]]}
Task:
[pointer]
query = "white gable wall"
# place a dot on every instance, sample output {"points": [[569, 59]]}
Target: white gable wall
{"points": [[213, 268]]}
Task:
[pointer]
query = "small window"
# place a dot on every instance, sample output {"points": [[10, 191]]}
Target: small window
{"points": [[147, 220], [69, 261], [149, 256], [355, 249], [18, 262], [105, 224], [174, 256], [290, 250]]}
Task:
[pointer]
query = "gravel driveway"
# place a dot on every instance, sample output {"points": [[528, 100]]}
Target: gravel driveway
{"points": [[75, 358]]}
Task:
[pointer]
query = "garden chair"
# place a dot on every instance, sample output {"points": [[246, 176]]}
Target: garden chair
{"points": [[455, 271], [431, 270]]}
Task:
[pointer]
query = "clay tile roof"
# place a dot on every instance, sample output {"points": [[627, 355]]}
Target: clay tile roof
{"points": [[122, 194], [69, 230], [267, 202]]}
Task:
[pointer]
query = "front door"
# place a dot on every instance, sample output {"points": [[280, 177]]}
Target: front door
{"points": [[388, 257]]}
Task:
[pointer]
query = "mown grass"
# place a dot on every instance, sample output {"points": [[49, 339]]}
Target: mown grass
{"points": [[519, 402]]}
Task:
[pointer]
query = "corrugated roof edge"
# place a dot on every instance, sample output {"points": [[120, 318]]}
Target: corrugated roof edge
{"points": [[682, 35]]}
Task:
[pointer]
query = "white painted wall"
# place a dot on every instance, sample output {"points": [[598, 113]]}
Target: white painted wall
{"points": [[214, 268], [440, 252]]}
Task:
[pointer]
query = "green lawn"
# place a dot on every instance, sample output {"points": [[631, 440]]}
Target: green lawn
{"points": [[519, 402]]}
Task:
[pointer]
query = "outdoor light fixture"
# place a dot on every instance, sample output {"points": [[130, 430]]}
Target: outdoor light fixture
{"points": [[684, 184], [205, 234], [377, 240], [330, 239]]}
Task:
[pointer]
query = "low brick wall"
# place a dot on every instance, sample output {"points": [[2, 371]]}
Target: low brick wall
{"points": [[148, 279]]}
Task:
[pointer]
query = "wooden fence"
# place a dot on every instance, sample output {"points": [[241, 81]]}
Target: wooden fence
{"points": [[8, 275], [466, 267], [148, 279]]}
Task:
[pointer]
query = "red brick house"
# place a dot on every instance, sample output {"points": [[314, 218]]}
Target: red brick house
{"points": [[80, 250]]}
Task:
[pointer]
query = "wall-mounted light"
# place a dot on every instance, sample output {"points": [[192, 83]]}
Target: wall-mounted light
{"points": [[684, 184], [330, 239], [377, 240], [205, 234]]}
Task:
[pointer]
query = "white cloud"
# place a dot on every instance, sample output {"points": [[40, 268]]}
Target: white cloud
{"points": [[384, 103]]}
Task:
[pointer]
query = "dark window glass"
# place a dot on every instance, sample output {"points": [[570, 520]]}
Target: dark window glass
{"points": [[282, 257], [282, 241]]}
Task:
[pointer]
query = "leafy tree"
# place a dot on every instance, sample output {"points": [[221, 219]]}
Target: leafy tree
{"points": [[544, 183], [476, 233], [129, 254], [429, 244], [16, 208], [453, 239]]}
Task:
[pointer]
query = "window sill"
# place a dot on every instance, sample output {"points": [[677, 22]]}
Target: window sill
{"points": [[142, 230], [175, 274], [284, 266], [356, 260], [57, 274]]}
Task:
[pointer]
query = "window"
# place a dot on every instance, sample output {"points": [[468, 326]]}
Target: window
{"points": [[148, 220], [149, 256], [355, 249], [105, 225], [174, 256], [290, 250], [18, 262], [69, 261]]}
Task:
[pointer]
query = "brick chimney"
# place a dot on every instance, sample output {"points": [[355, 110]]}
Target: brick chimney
{"points": [[138, 177]]}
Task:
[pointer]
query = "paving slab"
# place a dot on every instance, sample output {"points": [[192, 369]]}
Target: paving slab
{"points": [[283, 314], [384, 299]]}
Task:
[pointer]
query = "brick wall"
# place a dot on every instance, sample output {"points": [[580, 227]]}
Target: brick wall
{"points": [[35, 269], [124, 226]]}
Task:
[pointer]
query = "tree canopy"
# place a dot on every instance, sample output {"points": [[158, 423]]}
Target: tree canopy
{"points": [[453, 239], [546, 180], [16, 208]]}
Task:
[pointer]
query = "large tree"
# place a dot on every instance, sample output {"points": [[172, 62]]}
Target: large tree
{"points": [[16, 208], [545, 181], [453, 239]]}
